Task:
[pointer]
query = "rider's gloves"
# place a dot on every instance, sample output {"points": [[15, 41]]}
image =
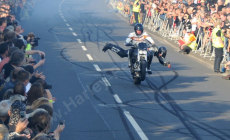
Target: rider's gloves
{"points": [[107, 46], [167, 64]]}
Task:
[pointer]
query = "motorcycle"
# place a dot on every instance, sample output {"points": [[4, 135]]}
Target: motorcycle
{"points": [[139, 61], [139, 55]]}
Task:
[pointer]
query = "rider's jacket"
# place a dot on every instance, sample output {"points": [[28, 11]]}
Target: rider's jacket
{"points": [[134, 39]]}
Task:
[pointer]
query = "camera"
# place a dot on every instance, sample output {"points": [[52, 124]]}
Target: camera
{"points": [[34, 41], [61, 122], [42, 56], [22, 114]]}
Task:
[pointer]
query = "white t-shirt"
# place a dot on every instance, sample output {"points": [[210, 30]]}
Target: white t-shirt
{"points": [[174, 1], [28, 86], [194, 20]]}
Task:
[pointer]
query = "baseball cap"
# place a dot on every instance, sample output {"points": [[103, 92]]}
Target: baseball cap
{"points": [[212, 6]]}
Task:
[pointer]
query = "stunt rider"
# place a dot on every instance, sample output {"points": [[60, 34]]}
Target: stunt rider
{"points": [[136, 37]]}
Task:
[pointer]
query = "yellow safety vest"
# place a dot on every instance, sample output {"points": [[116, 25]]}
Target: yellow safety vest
{"points": [[215, 41], [120, 6], [136, 8], [28, 48], [226, 2], [192, 45]]}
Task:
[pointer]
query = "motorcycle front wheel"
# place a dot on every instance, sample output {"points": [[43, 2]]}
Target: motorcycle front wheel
{"points": [[143, 65], [137, 81]]}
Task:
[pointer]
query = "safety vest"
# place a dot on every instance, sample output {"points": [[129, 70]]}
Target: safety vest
{"points": [[136, 8], [193, 44], [28, 48], [226, 2], [120, 6], [215, 41]]}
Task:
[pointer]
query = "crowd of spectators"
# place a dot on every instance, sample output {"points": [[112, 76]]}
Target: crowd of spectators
{"points": [[197, 17], [26, 102]]}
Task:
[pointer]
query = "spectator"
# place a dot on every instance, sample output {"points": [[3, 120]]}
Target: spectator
{"points": [[12, 67], [3, 132], [213, 9], [204, 5], [18, 75], [226, 76], [16, 60], [186, 22], [7, 59], [4, 108], [4, 49], [39, 123], [188, 43], [19, 89], [211, 2], [223, 18], [3, 24], [220, 5], [9, 35], [14, 114], [218, 44], [190, 3], [194, 22], [36, 91]]}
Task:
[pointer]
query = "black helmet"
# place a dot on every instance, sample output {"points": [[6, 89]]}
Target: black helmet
{"points": [[163, 51], [139, 27]]}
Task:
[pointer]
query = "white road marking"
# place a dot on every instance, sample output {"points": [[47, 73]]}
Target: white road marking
{"points": [[74, 34], [104, 79], [71, 29], [67, 24], [89, 57], [84, 48], [112, 105], [96, 67], [79, 40], [117, 99], [135, 125]]}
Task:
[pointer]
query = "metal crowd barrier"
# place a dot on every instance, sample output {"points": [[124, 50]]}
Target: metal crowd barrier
{"points": [[174, 33]]}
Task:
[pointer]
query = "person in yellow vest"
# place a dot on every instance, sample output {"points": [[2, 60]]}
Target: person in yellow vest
{"points": [[120, 6], [218, 45], [136, 10], [226, 2], [188, 43]]}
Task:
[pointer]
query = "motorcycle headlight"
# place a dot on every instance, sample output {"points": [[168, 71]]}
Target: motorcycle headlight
{"points": [[142, 52]]}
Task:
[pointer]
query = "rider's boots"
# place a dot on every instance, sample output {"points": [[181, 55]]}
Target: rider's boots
{"points": [[149, 69], [149, 64], [115, 48]]}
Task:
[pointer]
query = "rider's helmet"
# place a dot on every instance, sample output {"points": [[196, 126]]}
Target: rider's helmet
{"points": [[138, 27], [163, 51]]}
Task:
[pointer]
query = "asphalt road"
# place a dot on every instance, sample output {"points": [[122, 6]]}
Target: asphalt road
{"points": [[95, 93]]}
